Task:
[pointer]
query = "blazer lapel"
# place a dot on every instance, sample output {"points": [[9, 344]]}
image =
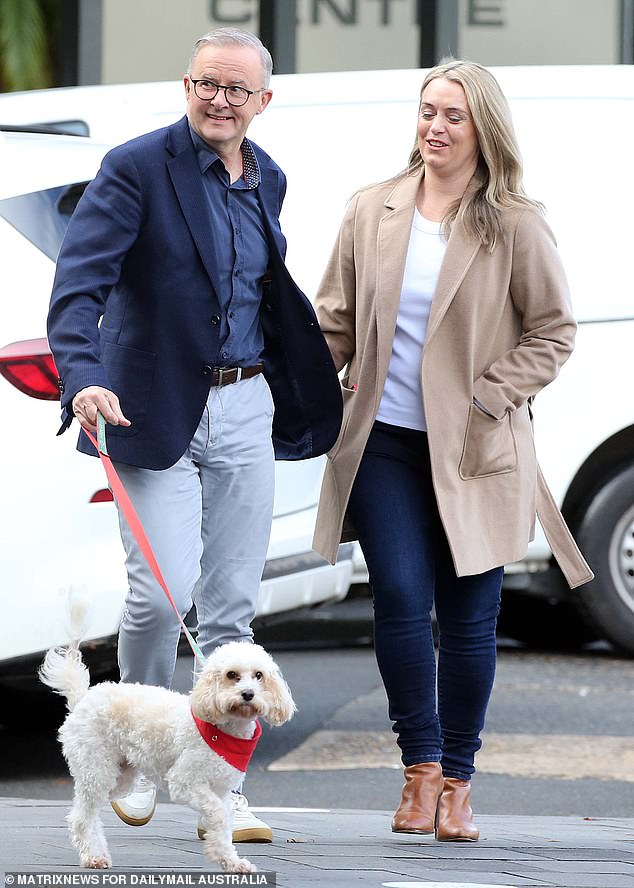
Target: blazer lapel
{"points": [[187, 180], [267, 200]]}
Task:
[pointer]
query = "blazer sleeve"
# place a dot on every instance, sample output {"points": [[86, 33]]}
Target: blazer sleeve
{"points": [[335, 303], [101, 232], [540, 294]]}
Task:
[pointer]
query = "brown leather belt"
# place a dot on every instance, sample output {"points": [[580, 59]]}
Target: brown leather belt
{"points": [[228, 375]]}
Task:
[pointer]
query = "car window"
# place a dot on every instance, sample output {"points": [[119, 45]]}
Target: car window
{"points": [[56, 127], [42, 216]]}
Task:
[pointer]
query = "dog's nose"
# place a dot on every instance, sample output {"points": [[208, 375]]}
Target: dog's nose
{"points": [[247, 696]]}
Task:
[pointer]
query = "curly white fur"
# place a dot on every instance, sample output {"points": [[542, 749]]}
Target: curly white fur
{"points": [[115, 731]]}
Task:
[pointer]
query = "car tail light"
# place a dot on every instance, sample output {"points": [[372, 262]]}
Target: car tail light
{"points": [[102, 496], [29, 366]]}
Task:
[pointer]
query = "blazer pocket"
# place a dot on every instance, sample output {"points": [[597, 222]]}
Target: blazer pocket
{"points": [[130, 373], [489, 446]]}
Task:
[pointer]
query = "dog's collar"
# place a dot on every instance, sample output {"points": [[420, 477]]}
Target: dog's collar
{"points": [[234, 750]]}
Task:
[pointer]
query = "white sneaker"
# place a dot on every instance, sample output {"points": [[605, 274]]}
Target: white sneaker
{"points": [[246, 826], [137, 808]]}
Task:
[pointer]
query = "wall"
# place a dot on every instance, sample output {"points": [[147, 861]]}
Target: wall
{"points": [[151, 39], [540, 32]]}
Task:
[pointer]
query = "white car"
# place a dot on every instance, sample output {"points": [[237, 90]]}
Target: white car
{"points": [[335, 132], [58, 525]]}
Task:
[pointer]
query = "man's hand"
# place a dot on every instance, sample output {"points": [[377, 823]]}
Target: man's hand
{"points": [[94, 398]]}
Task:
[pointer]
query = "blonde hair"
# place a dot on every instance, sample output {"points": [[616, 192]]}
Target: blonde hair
{"points": [[499, 172]]}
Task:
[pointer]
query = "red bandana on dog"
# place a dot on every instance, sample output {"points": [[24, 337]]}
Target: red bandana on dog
{"points": [[234, 750]]}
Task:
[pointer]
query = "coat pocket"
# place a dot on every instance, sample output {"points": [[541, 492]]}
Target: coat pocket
{"points": [[489, 445], [347, 393]]}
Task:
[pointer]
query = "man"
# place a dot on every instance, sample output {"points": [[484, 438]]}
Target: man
{"points": [[170, 297]]}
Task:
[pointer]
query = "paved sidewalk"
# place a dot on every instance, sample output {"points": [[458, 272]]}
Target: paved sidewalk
{"points": [[345, 848]]}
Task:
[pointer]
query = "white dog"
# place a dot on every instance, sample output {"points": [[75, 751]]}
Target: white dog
{"points": [[115, 731]]}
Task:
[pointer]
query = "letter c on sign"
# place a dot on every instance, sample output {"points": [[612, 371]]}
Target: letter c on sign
{"points": [[219, 14]]}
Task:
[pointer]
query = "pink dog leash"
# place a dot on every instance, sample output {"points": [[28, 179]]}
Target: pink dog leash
{"points": [[125, 504]]}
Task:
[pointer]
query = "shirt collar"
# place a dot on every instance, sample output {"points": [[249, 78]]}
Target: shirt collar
{"points": [[207, 156]]}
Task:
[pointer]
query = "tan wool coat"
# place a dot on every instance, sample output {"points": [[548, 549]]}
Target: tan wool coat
{"points": [[499, 329]]}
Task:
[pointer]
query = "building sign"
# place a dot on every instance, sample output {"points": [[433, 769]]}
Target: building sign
{"points": [[357, 35], [314, 12], [485, 12], [233, 12]]}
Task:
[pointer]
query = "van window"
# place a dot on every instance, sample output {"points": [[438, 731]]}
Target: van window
{"points": [[43, 216]]}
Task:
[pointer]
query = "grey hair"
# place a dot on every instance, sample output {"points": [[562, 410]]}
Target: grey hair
{"points": [[235, 37]]}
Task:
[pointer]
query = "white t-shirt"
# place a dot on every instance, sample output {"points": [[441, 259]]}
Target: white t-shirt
{"points": [[402, 400]]}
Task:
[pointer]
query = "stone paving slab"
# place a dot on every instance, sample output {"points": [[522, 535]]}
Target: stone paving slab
{"points": [[344, 848]]}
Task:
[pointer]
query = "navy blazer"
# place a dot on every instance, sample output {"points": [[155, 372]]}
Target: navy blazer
{"points": [[134, 308]]}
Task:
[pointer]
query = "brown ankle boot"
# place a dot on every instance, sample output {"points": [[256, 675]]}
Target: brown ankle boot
{"points": [[417, 811], [455, 817]]}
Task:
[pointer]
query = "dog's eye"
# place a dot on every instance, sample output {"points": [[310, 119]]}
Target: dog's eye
{"points": [[258, 675], [232, 675]]}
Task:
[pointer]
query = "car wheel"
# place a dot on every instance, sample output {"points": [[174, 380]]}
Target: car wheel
{"points": [[543, 624], [606, 537]]}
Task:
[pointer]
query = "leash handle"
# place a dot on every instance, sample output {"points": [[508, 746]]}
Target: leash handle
{"points": [[134, 523]]}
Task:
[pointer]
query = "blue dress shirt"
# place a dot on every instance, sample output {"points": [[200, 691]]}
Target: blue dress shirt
{"points": [[242, 253]]}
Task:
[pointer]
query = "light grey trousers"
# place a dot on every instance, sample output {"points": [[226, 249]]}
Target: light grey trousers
{"points": [[208, 520]]}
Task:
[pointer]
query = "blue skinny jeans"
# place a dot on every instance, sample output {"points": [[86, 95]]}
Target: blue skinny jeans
{"points": [[438, 712]]}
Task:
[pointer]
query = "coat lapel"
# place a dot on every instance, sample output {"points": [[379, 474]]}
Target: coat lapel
{"points": [[459, 255], [392, 243], [187, 180], [458, 258]]}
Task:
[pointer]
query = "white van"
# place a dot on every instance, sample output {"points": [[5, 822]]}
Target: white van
{"points": [[335, 132]]}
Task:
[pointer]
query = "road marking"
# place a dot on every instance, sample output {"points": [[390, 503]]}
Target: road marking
{"points": [[562, 756], [441, 885], [278, 810]]}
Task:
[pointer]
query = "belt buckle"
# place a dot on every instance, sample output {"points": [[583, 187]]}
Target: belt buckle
{"points": [[227, 370]]}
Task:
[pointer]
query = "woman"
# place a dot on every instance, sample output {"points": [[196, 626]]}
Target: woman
{"points": [[446, 301]]}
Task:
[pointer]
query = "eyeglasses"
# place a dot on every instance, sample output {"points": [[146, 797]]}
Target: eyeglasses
{"points": [[235, 95]]}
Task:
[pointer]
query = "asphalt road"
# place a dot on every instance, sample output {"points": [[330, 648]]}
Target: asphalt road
{"points": [[558, 738]]}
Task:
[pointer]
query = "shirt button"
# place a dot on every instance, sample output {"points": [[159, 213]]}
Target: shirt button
{"points": [[215, 319]]}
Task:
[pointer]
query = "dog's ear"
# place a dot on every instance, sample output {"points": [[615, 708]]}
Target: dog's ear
{"points": [[282, 703], [204, 697]]}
